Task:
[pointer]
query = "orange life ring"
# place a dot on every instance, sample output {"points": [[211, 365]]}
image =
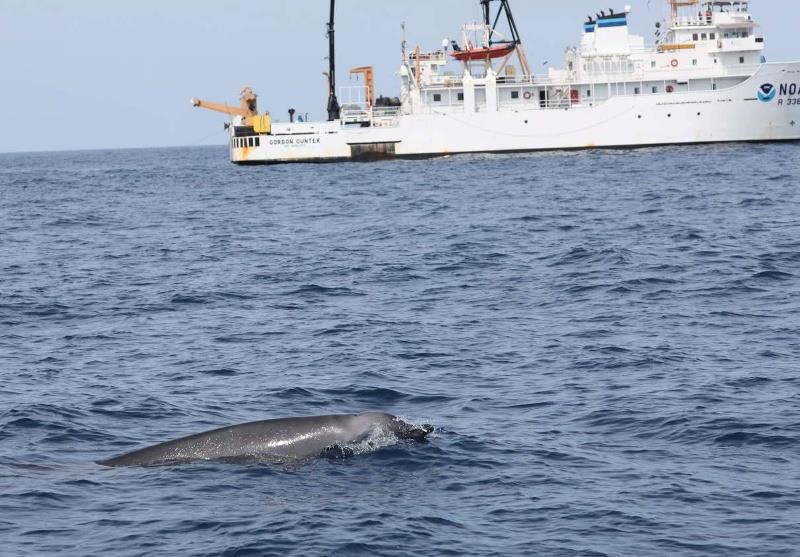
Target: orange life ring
{"points": [[674, 63], [527, 95]]}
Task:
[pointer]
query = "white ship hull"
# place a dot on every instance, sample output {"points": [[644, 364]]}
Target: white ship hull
{"points": [[733, 114]]}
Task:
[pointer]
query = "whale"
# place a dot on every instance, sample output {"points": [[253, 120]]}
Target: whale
{"points": [[276, 440]]}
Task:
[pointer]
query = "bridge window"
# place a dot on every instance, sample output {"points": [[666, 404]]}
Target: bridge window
{"points": [[741, 59], [437, 98], [637, 91], [514, 94], [695, 37], [694, 62], [704, 36], [461, 96], [655, 89], [712, 36], [653, 64]]}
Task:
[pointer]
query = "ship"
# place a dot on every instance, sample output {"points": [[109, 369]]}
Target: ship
{"points": [[702, 79]]}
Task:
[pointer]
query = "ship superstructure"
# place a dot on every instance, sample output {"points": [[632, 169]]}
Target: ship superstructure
{"points": [[704, 80]]}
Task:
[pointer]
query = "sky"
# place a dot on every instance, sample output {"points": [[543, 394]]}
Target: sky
{"points": [[95, 74]]}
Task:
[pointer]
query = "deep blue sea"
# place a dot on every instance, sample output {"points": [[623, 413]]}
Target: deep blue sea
{"points": [[608, 343]]}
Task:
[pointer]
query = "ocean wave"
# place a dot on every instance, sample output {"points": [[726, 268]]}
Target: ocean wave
{"points": [[604, 358]]}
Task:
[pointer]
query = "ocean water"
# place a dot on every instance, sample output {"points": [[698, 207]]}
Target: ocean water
{"points": [[608, 343]]}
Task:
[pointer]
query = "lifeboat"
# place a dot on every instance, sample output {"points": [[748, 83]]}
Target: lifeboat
{"points": [[474, 54]]}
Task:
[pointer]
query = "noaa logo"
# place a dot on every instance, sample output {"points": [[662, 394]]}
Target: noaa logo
{"points": [[767, 92]]}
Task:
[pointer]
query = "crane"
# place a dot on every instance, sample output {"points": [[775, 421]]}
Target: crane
{"points": [[248, 109], [369, 81]]}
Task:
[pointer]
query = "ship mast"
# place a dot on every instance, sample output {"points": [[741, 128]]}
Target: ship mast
{"points": [[504, 9], [487, 20], [333, 102]]}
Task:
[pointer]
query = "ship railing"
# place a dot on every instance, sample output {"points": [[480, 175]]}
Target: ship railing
{"points": [[386, 111], [668, 74], [379, 116], [692, 72], [446, 80], [535, 81], [355, 95], [350, 114], [562, 102], [692, 21], [435, 56], [385, 116]]}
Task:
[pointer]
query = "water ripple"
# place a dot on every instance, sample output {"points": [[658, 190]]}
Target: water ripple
{"points": [[609, 356]]}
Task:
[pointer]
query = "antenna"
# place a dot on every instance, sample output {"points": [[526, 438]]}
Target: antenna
{"points": [[405, 41], [333, 102]]}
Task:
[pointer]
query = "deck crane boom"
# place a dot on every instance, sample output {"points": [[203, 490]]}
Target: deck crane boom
{"points": [[248, 109]]}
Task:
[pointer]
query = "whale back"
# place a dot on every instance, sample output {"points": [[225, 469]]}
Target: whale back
{"points": [[278, 439]]}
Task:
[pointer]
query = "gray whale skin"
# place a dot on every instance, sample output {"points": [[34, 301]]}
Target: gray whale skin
{"points": [[276, 440]]}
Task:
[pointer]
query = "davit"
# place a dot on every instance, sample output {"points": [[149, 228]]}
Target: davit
{"points": [[275, 440]]}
